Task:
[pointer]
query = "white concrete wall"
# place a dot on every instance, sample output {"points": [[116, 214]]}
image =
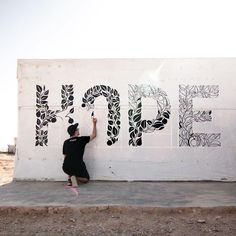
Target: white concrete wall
{"points": [[203, 150]]}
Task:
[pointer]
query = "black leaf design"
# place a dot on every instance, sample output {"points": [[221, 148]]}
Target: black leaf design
{"points": [[39, 88], [166, 115], [164, 121], [109, 142], [103, 87], [137, 117], [130, 112], [131, 129], [115, 131], [137, 126], [45, 115], [38, 122], [187, 116], [157, 125], [144, 124], [45, 123], [138, 123], [38, 113], [139, 142], [130, 141], [132, 134], [112, 97]]}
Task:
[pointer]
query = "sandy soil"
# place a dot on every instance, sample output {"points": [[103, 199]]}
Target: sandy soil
{"points": [[44, 221], [6, 168], [121, 221]]}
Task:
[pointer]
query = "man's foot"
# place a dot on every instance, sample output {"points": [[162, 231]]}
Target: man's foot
{"points": [[74, 181], [69, 182]]}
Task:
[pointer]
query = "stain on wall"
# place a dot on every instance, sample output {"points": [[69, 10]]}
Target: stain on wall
{"points": [[187, 115], [136, 125]]}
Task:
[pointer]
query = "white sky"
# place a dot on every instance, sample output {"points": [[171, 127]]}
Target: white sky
{"points": [[106, 29]]}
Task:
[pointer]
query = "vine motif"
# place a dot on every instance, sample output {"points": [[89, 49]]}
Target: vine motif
{"points": [[112, 97], [44, 115], [137, 126], [187, 115], [67, 93]]}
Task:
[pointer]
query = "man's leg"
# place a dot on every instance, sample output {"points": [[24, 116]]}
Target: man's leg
{"points": [[82, 180], [75, 180], [69, 182]]}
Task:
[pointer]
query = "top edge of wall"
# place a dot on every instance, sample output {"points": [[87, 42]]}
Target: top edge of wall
{"points": [[20, 60]]}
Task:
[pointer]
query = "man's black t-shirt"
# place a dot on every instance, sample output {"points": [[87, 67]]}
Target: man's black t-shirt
{"points": [[73, 149]]}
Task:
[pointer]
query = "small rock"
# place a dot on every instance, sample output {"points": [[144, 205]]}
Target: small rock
{"points": [[170, 230], [72, 220], [223, 178], [201, 221]]}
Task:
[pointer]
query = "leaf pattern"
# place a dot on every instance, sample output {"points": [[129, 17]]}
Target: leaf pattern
{"points": [[187, 115], [44, 115], [113, 99], [137, 125]]}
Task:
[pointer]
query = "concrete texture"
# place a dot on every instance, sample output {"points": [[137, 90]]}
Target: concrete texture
{"points": [[98, 193]]}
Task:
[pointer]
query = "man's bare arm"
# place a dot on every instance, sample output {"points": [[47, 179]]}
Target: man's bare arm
{"points": [[94, 130]]}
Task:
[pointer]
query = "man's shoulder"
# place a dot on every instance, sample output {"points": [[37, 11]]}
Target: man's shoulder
{"points": [[77, 139], [83, 137], [71, 140]]}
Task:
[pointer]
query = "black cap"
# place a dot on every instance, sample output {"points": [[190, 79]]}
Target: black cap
{"points": [[72, 128]]}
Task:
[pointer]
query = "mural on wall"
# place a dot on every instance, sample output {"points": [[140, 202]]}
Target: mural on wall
{"points": [[45, 115], [138, 126], [187, 115], [113, 99]]}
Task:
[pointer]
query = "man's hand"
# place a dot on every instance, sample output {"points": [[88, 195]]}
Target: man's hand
{"points": [[94, 120]]}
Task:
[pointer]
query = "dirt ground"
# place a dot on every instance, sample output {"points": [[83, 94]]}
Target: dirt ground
{"points": [[114, 220], [6, 168]]}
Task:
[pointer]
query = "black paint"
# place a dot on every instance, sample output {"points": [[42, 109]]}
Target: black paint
{"points": [[136, 124], [113, 99], [187, 116], [44, 115]]}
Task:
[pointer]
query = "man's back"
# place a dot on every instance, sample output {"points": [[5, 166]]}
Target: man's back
{"points": [[73, 148]]}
